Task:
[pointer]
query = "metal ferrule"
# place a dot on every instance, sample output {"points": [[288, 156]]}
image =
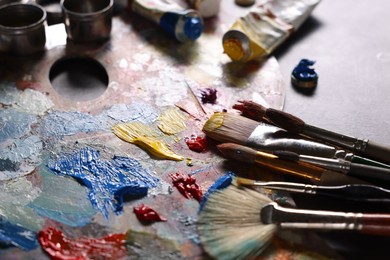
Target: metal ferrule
{"points": [[310, 219], [338, 165], [345, 141], [271, 138], [290, 186]]}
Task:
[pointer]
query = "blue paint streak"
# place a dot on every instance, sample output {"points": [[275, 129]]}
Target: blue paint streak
{"points": [[11, 234], [221, 183], [58, 124], [108, 181], [303, 72]]}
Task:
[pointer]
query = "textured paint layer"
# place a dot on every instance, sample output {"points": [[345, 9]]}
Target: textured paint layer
{"points": [[19, 157], [8, 93], [209, 95], [58, 246], [186, 185], [108, 181], [172, 121], [63, 200], [11, 234], [147, 214], [15, 124], [221, 183], [34, 102], [15, 195], [136, 111], [58, 124], [143, 136], [196, 143]]}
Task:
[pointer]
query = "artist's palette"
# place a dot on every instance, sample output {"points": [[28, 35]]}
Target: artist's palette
{"points": [[62, 167]]}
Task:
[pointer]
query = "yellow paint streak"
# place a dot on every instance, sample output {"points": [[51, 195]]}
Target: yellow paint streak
{"points": [[214, 122], [172, 121], [144, 137]]}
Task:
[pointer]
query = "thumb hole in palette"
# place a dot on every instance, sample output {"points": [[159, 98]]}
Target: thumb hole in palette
{"points": [[79, 78]]}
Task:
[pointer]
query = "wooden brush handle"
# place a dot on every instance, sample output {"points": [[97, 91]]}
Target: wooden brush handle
{"points": [[376, 224], [369, 172], [377, 152]]}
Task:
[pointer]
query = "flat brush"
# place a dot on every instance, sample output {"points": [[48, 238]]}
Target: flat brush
{"points": [[357, 192], [270, 161], [233, 128], [257, 112], [362, 171], [239, 223]]}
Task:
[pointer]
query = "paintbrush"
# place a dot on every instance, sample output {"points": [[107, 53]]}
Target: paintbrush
{"points": [[239, 223], [258, 112], [356, 192], [296, 125], [297, 168], [346, 167], [228, 127]]}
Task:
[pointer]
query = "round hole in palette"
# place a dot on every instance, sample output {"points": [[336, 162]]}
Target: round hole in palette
{"points": [[79, 78]]}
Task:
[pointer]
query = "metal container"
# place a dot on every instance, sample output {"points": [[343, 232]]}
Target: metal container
{"points": [[22, 28], [87, 20]]}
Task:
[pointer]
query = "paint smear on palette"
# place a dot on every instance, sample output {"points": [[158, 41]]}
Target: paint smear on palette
{"points": [[58, 246], [15, 124], [146, 214], [143, 136], [8, 93], [19, 157], [221, 183], [59, 124], [136, 111], [186, 185], [172, 121], [108, 181], [63, 200], [15, 195], [209, 95], [196, 143], [14, 235], [34, 102]]}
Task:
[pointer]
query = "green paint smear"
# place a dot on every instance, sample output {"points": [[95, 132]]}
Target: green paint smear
{"points": [[14, 197], [64, 200]]}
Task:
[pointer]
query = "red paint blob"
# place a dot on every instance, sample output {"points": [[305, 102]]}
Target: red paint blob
{"points": [[209, 96], [147, 214], [196, 143], [58, 246], [187, 186]]}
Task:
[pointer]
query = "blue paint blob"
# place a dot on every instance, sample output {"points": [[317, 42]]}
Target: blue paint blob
{"points": [[108, 181], [221, 183], [14, 235], [58, 124], [303, 75]]}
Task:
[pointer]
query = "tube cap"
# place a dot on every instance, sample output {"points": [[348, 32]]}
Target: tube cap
{"points": [[193, 27]]}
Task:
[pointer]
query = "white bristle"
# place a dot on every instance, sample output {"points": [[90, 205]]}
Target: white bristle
{"points": [[230, 227]]}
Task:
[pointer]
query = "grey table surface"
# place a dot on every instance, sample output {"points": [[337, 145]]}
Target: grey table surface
{"points": [[350, 42]]}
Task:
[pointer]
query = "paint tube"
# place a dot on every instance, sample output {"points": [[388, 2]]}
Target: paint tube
{"points": [[184, 24], [206, 8], [265, 27]]}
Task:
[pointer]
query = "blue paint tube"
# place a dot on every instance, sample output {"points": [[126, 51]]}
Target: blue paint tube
{"points": [[184, 24]]}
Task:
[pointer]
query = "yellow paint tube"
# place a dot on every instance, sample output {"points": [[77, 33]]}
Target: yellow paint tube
{"points": [[265, 27]]}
